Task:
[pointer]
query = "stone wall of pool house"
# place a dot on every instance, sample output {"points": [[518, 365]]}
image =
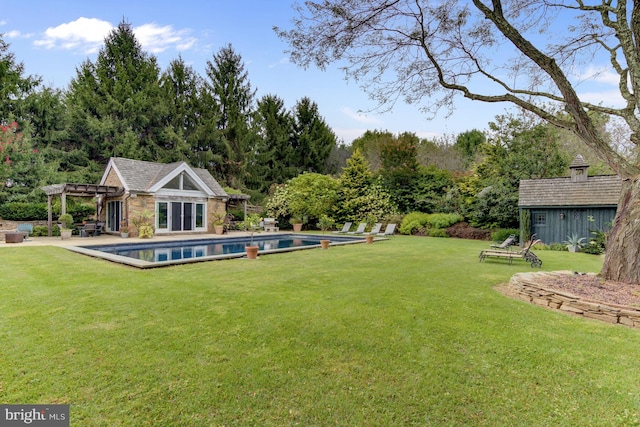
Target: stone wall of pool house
{"points": [[112, 179], [137, 207], [214, 206]]}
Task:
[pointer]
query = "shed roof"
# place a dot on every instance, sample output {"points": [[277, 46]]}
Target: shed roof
{"points": [[602, 190]]}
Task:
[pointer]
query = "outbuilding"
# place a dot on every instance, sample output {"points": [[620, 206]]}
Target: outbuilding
{"points": [[555, 208]]}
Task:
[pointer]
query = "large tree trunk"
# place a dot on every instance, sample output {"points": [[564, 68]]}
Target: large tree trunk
{"points": [[622, 259]]}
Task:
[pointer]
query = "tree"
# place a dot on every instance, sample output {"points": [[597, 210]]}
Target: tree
{"points": [[362, 196], [313, 139], [400, 153], [369, 145], [183, 86], [273, 154], [523, 53], [14, 86], [468, 144], [20, 165], [116, 106], [228, 84], [516, 149]]}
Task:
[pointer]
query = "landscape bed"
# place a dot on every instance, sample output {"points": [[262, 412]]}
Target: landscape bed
{"points": [[160, 254]]}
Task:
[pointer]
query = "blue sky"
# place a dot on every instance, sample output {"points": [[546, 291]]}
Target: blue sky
{"points": [[53, 37]]}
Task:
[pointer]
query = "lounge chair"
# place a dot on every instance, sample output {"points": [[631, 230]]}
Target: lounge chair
{"points": [[360, 229], [376, 229], [388, 231], [524, 254], [345, 228], [508, 242]]}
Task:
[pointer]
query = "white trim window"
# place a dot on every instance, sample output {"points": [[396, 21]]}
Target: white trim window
{"points": [[181, 215]]}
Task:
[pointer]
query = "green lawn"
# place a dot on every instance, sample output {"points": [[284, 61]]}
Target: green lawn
{"points": [[404, 332]]}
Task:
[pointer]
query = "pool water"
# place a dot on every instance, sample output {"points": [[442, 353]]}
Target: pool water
{"points": [[152, 254]]}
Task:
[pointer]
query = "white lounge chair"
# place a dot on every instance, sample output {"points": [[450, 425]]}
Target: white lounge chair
{"points": [[388, 231], [345, 228], [360, 229]]}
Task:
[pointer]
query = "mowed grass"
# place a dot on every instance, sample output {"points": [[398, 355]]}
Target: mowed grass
{"points": [[408, 331]]}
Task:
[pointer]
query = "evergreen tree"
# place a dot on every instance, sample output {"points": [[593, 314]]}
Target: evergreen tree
{"points": [[228, 85], [273, 152], [313, 139], [183, 86], [116, 105], [362, 197], [469, 145], [369, 145], [14, 86]]}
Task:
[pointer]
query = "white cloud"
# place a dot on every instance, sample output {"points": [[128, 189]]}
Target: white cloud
{"points": [[348, 135], [609, 98], [358, 116], [156, 39], [15, 34], [87, 36], [84, 34], [284, 60], [601, 75]]}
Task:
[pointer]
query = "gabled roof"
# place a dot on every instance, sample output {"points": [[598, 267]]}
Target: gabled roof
{"points": [[595, 191], [139, 176]]}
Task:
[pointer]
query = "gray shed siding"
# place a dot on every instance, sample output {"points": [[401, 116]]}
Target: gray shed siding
{"points": [[555, 224]]}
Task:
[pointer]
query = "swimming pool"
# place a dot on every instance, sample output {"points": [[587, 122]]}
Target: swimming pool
{"points": [[150, 254]]}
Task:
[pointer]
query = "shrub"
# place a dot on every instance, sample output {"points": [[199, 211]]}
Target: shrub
{"points": [[438, 232], [444, 220], [413, 222], [463, 230], [22, 211], [556, 247]]}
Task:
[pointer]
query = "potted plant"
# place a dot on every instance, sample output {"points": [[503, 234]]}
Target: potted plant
{"points": [[218, 222], [66, 221], [325, 223], [124, 230], [251, 224], [574, 243], [296, 221]]}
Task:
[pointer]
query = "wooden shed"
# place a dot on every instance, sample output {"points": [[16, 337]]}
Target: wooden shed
{"points": [[555, 208]]}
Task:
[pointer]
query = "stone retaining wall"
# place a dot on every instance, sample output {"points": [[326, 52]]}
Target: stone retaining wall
{"points": [[7, 226], [526, 287]]}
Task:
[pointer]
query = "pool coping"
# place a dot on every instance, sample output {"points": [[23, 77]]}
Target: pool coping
{"points": [[142, 264]]}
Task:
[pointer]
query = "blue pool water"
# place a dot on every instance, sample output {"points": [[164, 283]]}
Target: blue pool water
{"points": [[149, 254]]}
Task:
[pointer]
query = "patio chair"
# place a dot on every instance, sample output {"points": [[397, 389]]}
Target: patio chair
{"points": [[345, 228], [388, 231], [99, 228], [375, 229], [360, 229], [88, 229], [508, 242], [25, 229]]}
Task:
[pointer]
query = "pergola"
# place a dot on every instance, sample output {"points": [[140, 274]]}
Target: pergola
{"points": [[78, 190]]}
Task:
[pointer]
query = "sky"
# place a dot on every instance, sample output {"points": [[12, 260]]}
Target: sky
{"points": [[53, 37]]}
